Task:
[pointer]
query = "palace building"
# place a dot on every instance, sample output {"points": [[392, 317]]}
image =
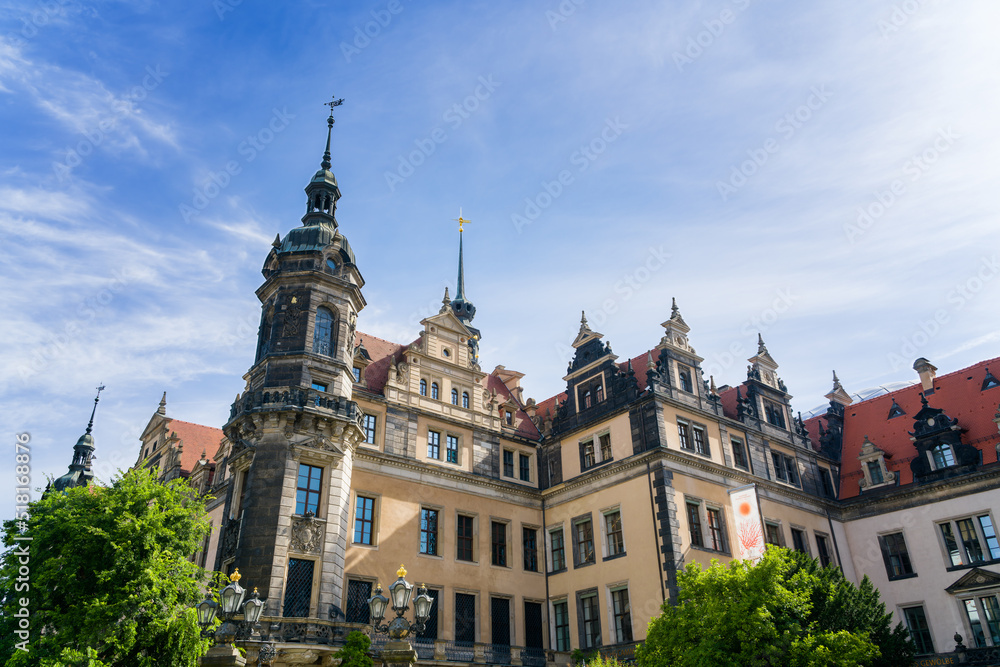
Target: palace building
{"points": [[544, 527]]}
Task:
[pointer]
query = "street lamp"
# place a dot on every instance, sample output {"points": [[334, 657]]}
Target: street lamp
{"points": [[399, 650], [231, 604]]}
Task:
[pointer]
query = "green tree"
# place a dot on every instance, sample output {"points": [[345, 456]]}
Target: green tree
{"points": [[110, 580], [354, 652], [784, 611]]}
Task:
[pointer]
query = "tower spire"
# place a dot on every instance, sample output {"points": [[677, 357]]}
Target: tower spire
{"points": [[97, 399], [325, 164], [463, 308], [80, 473]]}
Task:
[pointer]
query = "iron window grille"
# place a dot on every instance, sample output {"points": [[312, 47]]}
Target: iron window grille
{"points": [[298, 588], [357, 610], [465, 618]]}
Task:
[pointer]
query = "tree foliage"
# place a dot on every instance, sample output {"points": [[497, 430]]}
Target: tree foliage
{"points": [[785, 610], [354, 652], [110, 580]]}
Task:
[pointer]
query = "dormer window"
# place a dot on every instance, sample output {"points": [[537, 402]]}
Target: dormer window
{"points": [[332, 265], [684, 373], [873, 467], [508, 417], [989, 381], [942, 457], [323, 332], [774, 414], [591, 392]]}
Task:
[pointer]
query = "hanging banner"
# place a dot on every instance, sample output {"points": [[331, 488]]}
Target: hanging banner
{"points": [[749, 528]]}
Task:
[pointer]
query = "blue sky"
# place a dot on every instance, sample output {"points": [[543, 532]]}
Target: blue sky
{"points": [[824, 173]]}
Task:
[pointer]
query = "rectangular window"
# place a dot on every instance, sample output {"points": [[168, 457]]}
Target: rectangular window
{"points": [[524, 465], [590, 616], [466, 538], [613, 523], [356, 610], [508, 463], [739, 454], [824, 550], [499, 532], [371, 423], [587, 454], [976, 623], [799, 541], [970, 541], [433, 445], [919, 630], [364, 520], [700, 441], [772, 534], [792, 470], [430, 630], [429, 532], [785, 468], [774, 414], [307, 493], [583, 535], [950, 544], [558, 550], [560, 612], [357, 374], [623, 616], [875, 472], [298, 588], [779, 466], [318, 387], [895, 555], [683, 432], [989, 532], [826, 482], [715, 530], [465, 618], [451, 450], [605, 442], [991, 612], [529, 538], [694, 524]]}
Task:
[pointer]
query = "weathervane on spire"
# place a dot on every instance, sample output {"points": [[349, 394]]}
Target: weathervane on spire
{"points": [[326, 164], [97, 399], [460, 220]]}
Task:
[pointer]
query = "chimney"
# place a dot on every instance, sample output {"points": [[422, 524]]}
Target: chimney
{"points": [[927, 372]]}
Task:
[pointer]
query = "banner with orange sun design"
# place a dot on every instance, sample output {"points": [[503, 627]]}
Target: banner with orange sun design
{"points": [[749, 529]]}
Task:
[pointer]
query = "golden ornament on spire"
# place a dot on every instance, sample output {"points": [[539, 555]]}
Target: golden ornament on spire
{"points": [[235, 576], [460, 220], [401, 572]]}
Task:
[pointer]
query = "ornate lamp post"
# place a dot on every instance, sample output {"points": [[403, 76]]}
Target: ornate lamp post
{"points": [[231, 604], [398, 649]]}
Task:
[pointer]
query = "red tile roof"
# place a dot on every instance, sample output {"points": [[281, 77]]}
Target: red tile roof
{"points": [[959, 394], [525, 427], [384, 355], [195, 439]]}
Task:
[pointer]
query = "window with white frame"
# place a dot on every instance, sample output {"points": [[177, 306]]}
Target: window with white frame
{"points": [[970, 540]]}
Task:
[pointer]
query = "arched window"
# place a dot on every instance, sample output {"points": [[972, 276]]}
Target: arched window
{"points": [[600, 393], [423, 387], [323, 332], [465, 399], [434, 390], [686, 382], [586, 399], [454, 396]]}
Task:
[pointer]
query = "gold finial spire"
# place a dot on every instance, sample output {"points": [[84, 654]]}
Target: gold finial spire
{"points": [[235, 576], [460, 220], [401, 572]]}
